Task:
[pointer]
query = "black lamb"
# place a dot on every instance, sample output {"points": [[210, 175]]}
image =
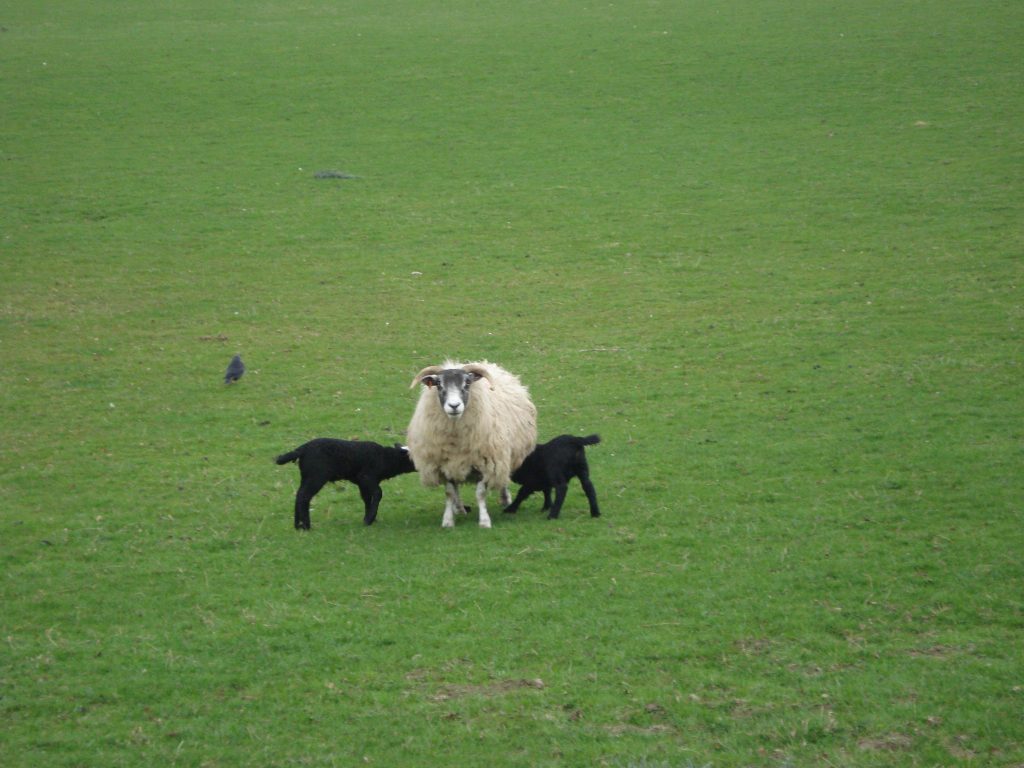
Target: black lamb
{"points": [[327, 460], [235, 370], [552, 465]]}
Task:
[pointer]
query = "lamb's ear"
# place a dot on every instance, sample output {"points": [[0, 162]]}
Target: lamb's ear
{"points": [[426, 376], [478, 372]]}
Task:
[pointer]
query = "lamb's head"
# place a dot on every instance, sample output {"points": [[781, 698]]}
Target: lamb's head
{"points": [[453, 385]]}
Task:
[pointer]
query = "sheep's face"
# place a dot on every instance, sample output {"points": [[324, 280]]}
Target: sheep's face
{"points": [[453, 387]]}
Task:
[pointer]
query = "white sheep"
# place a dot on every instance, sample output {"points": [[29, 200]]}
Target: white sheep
{"points": [[454, 437]]}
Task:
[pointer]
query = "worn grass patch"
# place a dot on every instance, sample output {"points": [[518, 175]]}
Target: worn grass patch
{"points": [[771, 254]]}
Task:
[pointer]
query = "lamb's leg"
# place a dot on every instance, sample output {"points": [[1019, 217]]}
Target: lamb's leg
{"points": [[588, 488], [307, 490], [524, 492], [451, 504], [372, 494], [547, 500], [559, 498], [481, 500]]}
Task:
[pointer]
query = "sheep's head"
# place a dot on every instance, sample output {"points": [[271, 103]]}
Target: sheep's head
{"points": [[452, 385]]}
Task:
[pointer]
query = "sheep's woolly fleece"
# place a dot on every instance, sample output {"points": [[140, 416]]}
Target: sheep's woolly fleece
{"points": [[493, 436]]}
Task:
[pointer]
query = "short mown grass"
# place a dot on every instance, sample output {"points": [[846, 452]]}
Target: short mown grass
{"points": [[770, 252]]}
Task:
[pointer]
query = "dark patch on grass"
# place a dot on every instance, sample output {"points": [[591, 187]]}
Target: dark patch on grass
{"points": [[334, 175]]}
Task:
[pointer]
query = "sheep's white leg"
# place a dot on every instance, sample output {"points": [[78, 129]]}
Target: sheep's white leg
{"points": [[506, 497], [481, 500], [451, 503]]}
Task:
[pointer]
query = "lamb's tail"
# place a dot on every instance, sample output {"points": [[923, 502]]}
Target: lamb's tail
{"points": [[589, 440], [284, 458]]}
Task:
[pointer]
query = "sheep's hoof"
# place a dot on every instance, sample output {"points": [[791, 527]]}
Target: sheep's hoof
{"points": [[485, 523], [447, 523]]}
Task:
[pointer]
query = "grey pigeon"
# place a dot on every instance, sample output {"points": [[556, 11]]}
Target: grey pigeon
{"points": [[235, 370]]}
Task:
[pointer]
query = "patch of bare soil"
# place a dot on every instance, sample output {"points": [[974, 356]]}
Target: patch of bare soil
{"points": [[893, 742], [485, 690]]}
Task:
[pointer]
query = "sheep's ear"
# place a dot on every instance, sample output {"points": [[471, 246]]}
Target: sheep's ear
{"points": [[429, 381], [478, 372], [426, 373]]}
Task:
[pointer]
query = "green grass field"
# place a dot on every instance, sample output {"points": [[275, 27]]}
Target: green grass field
{"points": [[771, 252]]}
